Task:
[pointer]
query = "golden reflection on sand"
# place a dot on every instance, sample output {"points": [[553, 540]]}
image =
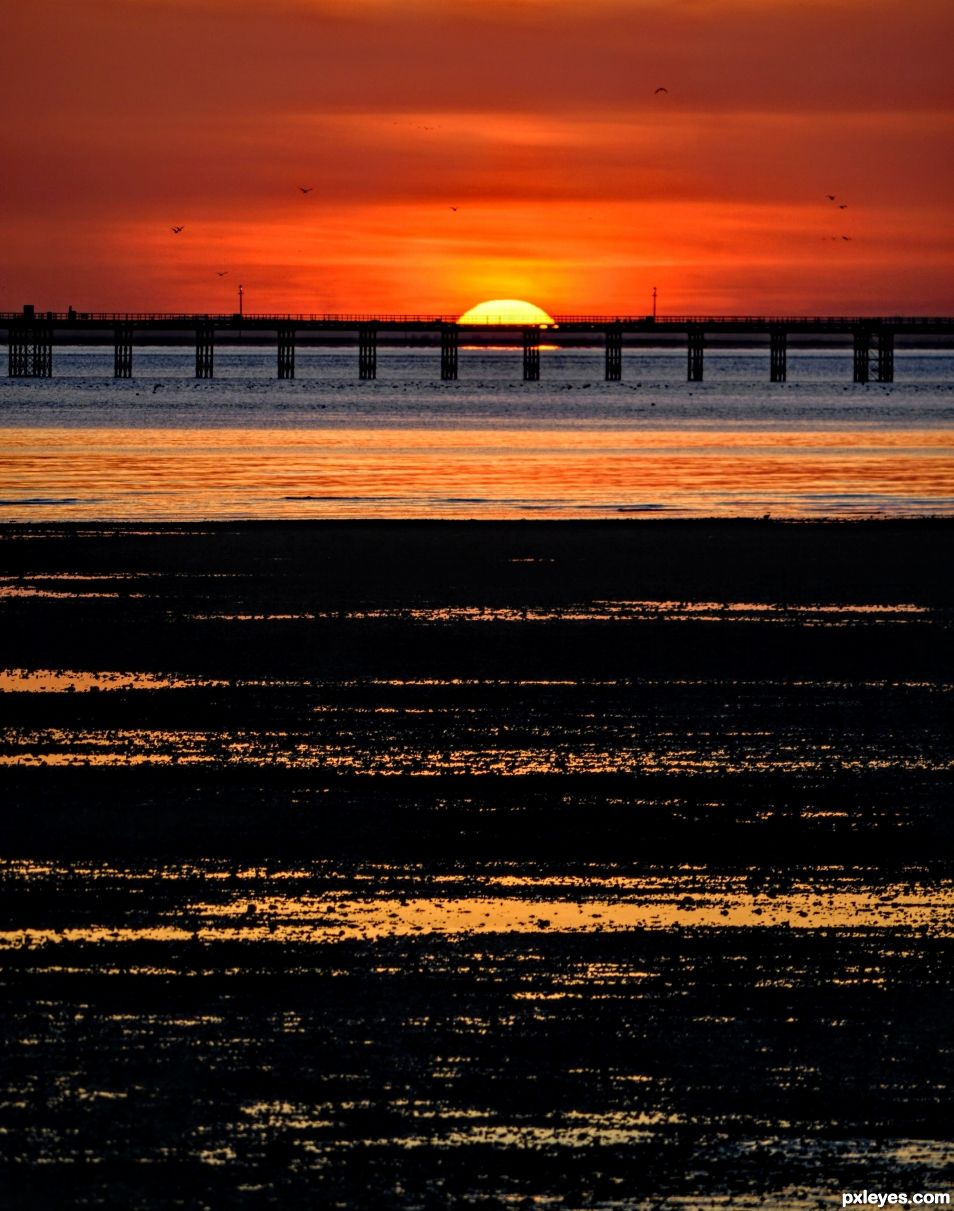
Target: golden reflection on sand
{"points": [[323, 919], [451, 1126], [729, 752], [251, 906], [825, 615], [44, 681]]}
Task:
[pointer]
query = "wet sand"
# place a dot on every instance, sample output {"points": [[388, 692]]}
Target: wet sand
{"points": [[475, 864]]}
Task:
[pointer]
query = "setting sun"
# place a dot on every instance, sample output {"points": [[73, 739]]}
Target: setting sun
{"points": [[506, 311]]}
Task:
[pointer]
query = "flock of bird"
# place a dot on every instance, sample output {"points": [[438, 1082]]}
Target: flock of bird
{"points": [[841, 206], [178, 228], [306, 189]]}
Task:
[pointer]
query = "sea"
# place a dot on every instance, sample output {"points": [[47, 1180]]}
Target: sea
{"points": [[167, 446], [600, 866]]}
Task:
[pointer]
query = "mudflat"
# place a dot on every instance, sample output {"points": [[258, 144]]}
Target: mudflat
{"points": [[475, 864]]}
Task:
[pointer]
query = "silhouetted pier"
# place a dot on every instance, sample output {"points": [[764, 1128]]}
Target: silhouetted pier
{"points": [[31, 337]]}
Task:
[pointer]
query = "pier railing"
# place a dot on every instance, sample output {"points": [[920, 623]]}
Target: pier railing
{"points": [[366, 318]]}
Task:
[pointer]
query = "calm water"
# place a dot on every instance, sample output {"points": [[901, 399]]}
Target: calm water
{"points": [[166, 446]]}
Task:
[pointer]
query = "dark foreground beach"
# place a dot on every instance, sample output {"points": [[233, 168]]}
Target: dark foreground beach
{"points": [[497, 865]]}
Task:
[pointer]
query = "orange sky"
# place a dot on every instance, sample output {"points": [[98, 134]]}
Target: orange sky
{"points": [[577, 185]]}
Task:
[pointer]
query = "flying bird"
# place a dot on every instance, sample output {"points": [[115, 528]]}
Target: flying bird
{"points": [[842, 205], [661, 90], [176, 229], [452, 207], [846, 237], [830, 197], [306, 188], [221, 272]]}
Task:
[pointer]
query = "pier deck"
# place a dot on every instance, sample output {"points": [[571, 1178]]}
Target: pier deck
{"points": [[31, 336]]}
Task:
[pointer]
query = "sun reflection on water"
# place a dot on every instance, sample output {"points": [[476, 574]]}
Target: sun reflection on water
{"points": [[461, 472]]}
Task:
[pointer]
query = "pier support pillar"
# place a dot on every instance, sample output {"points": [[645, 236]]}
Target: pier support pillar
{"points": [[885, 356], [122, 351], [286, 352], [862, 340], [531, 355], [204, 350], [697, 344], [368, 352], [31, 350], [778, 355], [449, 344], [614, 354]]}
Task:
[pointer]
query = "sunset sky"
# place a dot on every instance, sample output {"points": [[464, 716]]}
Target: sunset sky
{"points": [[577, 184]]}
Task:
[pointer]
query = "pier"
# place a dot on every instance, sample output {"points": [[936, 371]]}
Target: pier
{"points": [[32, 336]]}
